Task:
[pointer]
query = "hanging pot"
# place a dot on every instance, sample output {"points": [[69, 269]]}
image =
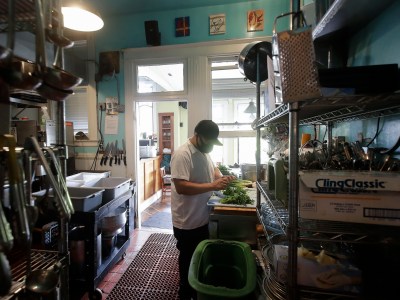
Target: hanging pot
{"points": [[59, 78], [248, 60]]}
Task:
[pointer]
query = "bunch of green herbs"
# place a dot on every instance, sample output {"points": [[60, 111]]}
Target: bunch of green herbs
{"points": [[236, 194]]}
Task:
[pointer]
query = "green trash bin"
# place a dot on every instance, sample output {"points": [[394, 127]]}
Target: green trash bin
{"points": [[222, 269]]}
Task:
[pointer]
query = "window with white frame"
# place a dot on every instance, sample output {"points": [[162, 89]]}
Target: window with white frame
{"points": [[231, 96], [213, 87], [160, 78]]}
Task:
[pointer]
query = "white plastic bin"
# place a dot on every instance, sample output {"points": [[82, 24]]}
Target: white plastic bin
{"points": [[85, 178], [83, 199], [113, 187]]}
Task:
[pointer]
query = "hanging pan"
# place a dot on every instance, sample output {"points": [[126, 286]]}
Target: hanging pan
{"points": [[21, 75], [57, 83], [248, 60], [53, 27]]}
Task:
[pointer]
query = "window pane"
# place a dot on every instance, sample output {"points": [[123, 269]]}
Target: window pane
{"points": [[160, 78], [76, 110], [240, 150], [231, 95]]}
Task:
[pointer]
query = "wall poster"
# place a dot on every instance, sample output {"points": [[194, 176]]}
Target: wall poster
{"points": [[217, 24], [255, 20]]}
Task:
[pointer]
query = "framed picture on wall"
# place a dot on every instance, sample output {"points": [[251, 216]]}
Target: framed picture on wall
{"points": [[217, 24], [182, 26], [255, 20]]}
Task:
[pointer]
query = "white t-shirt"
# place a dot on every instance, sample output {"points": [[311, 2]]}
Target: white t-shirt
{"points": [[188, 163]]}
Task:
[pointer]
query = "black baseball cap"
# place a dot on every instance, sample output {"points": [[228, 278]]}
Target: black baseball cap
{"points": [[209, 130]]}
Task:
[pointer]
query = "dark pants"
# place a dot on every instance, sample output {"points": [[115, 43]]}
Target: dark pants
{"points": [[187, 241]]}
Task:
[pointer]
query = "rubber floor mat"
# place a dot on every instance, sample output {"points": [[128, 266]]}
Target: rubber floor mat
{"points": [[153, 273], [159, 220]]}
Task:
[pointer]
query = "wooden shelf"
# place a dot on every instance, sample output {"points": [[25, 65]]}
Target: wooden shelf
{"points": [[166, 131]]}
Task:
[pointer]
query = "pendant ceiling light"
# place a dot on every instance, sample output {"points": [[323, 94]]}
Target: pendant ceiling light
{"points": [[78, 16], [251, 109]]}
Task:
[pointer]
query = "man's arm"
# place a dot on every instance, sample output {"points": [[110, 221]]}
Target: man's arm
{"points": [[217, 173], [185, 187]]}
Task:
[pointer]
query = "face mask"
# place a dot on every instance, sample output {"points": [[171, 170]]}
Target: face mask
{"points": [[203, 147]]}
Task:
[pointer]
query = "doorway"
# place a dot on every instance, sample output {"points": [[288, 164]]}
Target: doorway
{"points": [[157, 121]]}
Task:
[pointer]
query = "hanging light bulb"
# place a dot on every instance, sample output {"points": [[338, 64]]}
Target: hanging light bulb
{"points": [[77, 16]]}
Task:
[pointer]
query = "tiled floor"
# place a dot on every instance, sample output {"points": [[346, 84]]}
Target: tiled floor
{"points": [[138, 238]]}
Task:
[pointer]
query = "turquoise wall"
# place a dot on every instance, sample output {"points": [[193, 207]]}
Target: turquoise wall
{"points": [[369, 46], [377, 43], [128, 32]]}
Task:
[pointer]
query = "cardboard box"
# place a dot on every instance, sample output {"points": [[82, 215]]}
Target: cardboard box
{"points": [[324, 272], [350, 196]]}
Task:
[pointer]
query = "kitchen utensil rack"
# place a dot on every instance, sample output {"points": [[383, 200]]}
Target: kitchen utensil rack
{"points": [[26, 21]]}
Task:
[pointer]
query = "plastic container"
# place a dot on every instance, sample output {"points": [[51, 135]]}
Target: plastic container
{"points": [[84, 199], [248, 172], [85, 178], [113, 187], [222, 269]]}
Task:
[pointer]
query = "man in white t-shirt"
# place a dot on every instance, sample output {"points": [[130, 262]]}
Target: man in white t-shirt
{"points": [[194, 178]]}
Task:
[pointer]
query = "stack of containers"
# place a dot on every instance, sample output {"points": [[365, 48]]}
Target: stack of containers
{"points": [[89, 184]]}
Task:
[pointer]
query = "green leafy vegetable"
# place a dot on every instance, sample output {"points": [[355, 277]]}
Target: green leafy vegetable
{"points": [[224, 170], [236, 194]]}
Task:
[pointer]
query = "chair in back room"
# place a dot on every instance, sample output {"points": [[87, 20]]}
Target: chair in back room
{"points": [[165, 182]]}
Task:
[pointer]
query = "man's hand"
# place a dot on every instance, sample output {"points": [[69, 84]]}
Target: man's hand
{"points": [[222, 183]]}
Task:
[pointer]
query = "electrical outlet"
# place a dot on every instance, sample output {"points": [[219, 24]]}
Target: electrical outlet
{"points": [[101, 106]]}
